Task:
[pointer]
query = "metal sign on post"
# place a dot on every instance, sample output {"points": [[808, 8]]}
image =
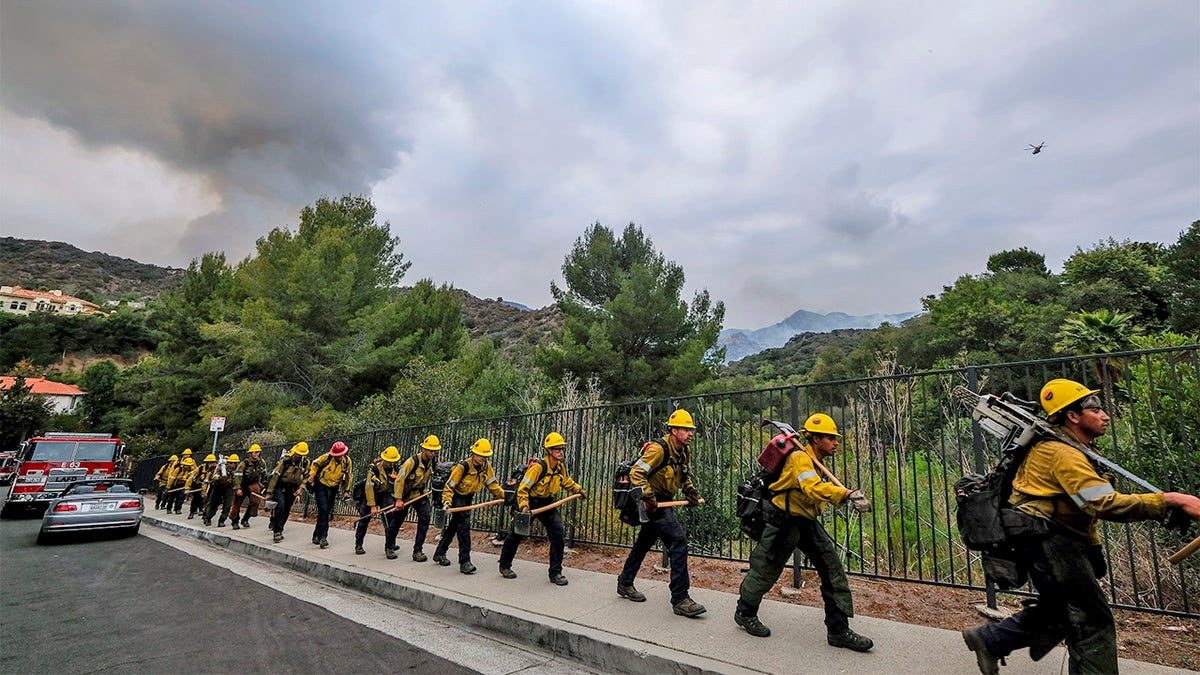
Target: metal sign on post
{"points": [[216, 425]]}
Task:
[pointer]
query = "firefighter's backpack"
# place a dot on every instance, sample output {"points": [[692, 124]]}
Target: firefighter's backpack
{"points": [[441, 474], [754, 492], [625, 496], [981, 511], [513, 481]]}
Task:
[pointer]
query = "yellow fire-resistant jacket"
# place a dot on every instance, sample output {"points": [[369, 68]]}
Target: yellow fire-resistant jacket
{"points": [[1058, 483], [470, 480], [801, 490], [289, 472], [413, 477], [381, 476], [333, 471], [539, 483], [248, 472], [164, 472], [662, 469], [200, 477], [179, 475]]}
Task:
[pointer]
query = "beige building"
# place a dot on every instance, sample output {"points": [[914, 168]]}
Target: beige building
{"points": [[17, 300]]}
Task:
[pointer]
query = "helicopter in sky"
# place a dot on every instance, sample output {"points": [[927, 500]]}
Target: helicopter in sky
{"points": [[1036, 148]]}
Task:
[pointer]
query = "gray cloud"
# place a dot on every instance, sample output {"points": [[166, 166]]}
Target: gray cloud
{"points": [[851, 157]]}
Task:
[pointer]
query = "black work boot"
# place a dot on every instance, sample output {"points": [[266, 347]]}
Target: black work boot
{"points": [[277, 537], [752, 625], [324, 542], [689, 608], [246, 521], [441, 560], [358, 550], [850, 640], [235, 525], [558, 580], [507, 573], [390, 553], [221, 523], [989, 663], [630, 593], [466, 568], [419, 556]]}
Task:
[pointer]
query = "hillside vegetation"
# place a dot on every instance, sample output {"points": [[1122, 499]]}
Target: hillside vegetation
{"points": [[92, 276], [285, 355]]}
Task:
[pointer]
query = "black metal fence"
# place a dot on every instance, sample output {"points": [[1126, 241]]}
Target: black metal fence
{"points": [[904, 444]]}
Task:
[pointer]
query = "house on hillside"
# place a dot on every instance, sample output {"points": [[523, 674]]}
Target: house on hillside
{"points": [[17, 300], [63, 397]]}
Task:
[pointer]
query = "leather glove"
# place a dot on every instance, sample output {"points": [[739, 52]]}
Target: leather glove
{"points": [[650, 502], [583, 495], [446, 507], [524, 509], [859, 502], [693, 499], [374, 510]]}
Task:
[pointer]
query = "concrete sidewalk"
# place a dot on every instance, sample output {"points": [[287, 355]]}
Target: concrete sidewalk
{"points": [[586, 621]]}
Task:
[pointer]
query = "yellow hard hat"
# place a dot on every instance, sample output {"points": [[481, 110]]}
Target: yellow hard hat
{"points": [[174, 458], [210, 457], [300, 449], [253, 448], [391, 454], [482, 447], [188, 461], [820, 423], [682, 419], [432, 443], [554, 440], [1060, 393], [234, 458], [187, 452]]}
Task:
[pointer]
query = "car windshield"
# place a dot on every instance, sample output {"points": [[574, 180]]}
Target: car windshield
{"points": [[95, 452]]}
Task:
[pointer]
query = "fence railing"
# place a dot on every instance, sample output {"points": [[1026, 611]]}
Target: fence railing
{"points": [[904, 444]]}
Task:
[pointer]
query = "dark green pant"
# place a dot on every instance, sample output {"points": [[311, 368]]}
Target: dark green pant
{"points": [[773, 553]]}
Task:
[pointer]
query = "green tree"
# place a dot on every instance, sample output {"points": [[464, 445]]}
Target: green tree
{"points": [[1018, 260], [301, 296], [21, 414], [1183, 265], [624, 320], [1121, 277], [100, 382]]}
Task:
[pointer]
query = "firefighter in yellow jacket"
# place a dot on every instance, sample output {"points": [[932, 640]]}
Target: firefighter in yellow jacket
{"points": [[197, 484], [377, 496], [329, 473], [160, 480], [248, 477], [412, 481], [798, 497], [539, 487], [177, 482], [1059, 497], [661, 472], [286, 478], [466, 479]]}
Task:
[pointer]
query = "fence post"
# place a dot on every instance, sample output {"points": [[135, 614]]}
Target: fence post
{"points": [[980, 467]]}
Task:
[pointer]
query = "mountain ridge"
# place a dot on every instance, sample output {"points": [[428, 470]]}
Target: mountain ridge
{"points": [[741, 342]]}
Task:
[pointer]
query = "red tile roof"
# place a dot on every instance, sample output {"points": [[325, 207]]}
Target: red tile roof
{"points": [[44, 387], [57, 297]]}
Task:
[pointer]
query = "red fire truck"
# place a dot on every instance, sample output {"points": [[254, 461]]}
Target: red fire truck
{"points": [[51, 462], [8, 467]]}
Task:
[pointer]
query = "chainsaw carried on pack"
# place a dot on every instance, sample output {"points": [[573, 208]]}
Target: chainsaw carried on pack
{"points": [[982, 499]]}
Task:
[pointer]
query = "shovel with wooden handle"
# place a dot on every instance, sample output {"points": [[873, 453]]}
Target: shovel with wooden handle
{"points": [[522, 520], [1179, 556]]}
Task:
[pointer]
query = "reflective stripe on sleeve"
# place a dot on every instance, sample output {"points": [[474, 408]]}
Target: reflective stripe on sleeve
{"points": [[451, 483], [645, 466], [805, 476], [491, 480], [1092, 493], [526, 481]]}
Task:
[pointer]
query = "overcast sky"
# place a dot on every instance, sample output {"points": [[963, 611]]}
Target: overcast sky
{"points": [[828, 156]]}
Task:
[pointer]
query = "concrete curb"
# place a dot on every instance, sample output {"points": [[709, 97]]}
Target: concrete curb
{"points": [[605, 651]]}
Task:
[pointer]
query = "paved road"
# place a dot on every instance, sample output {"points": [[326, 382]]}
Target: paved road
{"points": [[95, 604]]}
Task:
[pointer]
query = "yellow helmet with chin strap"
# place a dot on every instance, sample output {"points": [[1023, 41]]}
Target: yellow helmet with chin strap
{"points": [[820, 423], [210, 457], [233, 458], [554, 440], [1060, 393], [391, 454], [431, 442], [681, 419]]}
